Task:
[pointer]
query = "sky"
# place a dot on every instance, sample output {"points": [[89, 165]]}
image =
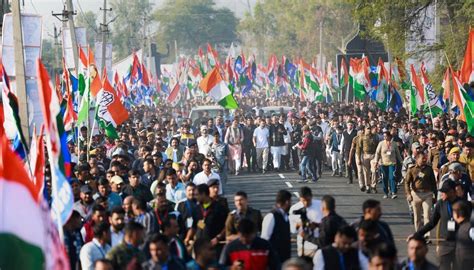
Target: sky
{"points": [[45, 7]]}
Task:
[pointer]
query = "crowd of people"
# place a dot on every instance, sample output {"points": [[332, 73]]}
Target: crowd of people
{"points": [[154, 197]]}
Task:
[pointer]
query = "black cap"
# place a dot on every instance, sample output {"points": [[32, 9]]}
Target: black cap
{"points": [[86, 189], [448, 185], [213, 181]]}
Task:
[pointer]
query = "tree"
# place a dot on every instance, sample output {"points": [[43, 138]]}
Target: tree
{"points": [[293, 30], [51, 55], [88, 20], [128, 28], [395, 21], [196, 23]]}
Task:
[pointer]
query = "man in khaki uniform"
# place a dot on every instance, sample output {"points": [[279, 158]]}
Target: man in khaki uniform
{"points": [[420, 188], [356, 151], [368, 145], [467, 157]]}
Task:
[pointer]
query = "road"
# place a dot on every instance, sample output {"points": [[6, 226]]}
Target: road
{"points": [[262, 188]]}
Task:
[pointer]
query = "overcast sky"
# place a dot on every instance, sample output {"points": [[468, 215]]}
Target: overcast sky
{"points": [[45, 7]]}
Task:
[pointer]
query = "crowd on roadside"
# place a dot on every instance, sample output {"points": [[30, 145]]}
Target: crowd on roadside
{"points": [[153, 198]]}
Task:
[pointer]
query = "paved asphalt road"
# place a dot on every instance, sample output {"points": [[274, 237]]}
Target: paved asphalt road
{"points": [[262, 188]]}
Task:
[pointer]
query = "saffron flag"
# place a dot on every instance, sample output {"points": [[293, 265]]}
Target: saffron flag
{"points": [[467, 68]]}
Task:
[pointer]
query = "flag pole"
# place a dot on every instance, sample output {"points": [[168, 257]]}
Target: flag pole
{"points": [[347, 94], [450, 71]]}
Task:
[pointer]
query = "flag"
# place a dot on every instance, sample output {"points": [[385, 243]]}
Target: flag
{"points": [[37, 161], [417, 97], [174, 93], [109, 111], [29, 240], [94, 81], [467, 68], [436, 106], [11, 106], [465, 104], [63, 199], [344, 74], [446, 85], [359, 77], [70, 116], [212, 56], [380, 94], [214, 86]]}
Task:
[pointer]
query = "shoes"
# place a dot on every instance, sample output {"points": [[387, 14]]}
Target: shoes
{"points": [[362, 189], [302, 181], [314, 180], [394, 196], [340, 174], [237, 173], [385, 196], [333, 173], [368, 191], [263, 171], [373, 190], [350, 181]]}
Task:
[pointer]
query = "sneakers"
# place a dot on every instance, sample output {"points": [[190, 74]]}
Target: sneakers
{"points": [[314, 180], [302, 181], [333, 173], [368, 191], [362, 189], [394, 196], [340, 174], [263, 171], [385, 196], [373, 190], [236, 173]]}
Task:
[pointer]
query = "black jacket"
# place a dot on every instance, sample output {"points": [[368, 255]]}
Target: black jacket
{"points": [[328, 228], [440, 216], [464, 247], [276, 134], [383, 229]]}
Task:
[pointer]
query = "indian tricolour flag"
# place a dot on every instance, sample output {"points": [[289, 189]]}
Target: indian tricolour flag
{"points": [[359, 77], [216, 87], [28, 239]]}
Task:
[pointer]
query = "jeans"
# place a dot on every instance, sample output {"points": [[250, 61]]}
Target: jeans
{"points": [[306, 166], [388, 178], [336, 161]]}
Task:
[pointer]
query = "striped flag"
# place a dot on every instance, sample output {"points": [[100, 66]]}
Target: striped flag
{"points": [[215, 87]]}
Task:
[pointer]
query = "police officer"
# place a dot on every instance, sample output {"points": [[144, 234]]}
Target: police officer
{"points": [[243, 210], [420, 188]]}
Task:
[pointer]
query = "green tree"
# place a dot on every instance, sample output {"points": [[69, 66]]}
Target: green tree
{"points": [[393, 22], [292, 29], [128, 28], [51, 55], [194, 23], [88, 20]]}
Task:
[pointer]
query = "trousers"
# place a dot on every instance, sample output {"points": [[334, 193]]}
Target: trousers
{"points": [[422, 201], [336, 161], [262, 157]]}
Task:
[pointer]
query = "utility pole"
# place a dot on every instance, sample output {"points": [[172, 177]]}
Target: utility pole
{"points": [[105, 30], [20, 69], [321, 45], [72, 30], [68, 21], [56, 48]]}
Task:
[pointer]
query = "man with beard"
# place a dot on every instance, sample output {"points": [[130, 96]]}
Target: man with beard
{"points": [[117, 223], [84, 205], [347, 136], [187, 208]]}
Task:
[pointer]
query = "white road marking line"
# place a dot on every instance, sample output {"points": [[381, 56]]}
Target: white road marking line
{"points": [[281, 176], [296, 194], [289, 184]]}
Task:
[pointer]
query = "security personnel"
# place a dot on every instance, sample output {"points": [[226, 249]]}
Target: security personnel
{"points": [[355, 156], [453, 156], [420, 188], [443, 218], [368, 145], [242, 211]]}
